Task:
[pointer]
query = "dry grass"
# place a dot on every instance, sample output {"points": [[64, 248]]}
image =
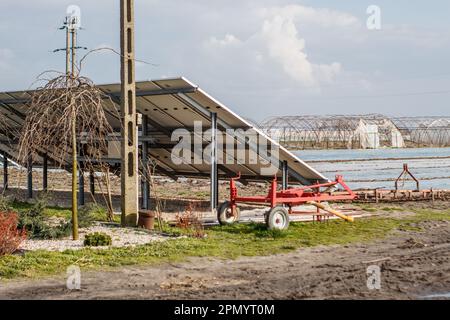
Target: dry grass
{"points": [[191, 220]]}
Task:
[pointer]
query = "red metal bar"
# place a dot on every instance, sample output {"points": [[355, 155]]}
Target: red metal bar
{"points": [[295, 196], [233, 193], [273, 193]]}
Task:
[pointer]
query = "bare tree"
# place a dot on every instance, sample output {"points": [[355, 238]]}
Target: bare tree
{"points": [[67, 119]]}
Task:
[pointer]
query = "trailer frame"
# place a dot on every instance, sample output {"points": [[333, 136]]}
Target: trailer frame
{"points": [[288, 198]]}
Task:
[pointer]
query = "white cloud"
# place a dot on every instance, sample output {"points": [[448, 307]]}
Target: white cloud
{"points": [[286, 46], [221, 45], [281, 37], [278, 41], [228, 40]]}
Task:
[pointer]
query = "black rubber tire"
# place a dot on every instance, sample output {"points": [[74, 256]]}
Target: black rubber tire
{"points": [[278, 219], [223, 214]]}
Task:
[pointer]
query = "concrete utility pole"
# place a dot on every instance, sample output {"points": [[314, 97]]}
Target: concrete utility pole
{"points": [[129, 150], [74, 148], [73, 53], [67, 50]]}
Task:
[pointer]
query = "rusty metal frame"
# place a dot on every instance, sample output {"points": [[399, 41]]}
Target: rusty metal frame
{"points": [[405, 173]]}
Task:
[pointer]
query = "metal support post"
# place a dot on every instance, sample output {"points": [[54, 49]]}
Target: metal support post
{"points": [[45, 173], [285, 174], [145, 167], [92, 182], [214, 194], [30, 177]]}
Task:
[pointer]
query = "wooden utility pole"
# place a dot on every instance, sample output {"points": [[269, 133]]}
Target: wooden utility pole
{"points": [[129, 151]]}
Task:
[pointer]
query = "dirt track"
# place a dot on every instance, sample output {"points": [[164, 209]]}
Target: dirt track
{"points": [[413, 264]]}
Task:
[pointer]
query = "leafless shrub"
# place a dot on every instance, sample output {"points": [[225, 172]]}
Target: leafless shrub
{"points": [[191, 219], [105, 189], [10, 236]]}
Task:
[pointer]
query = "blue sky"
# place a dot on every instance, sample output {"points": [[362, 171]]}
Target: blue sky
{"points": [[259, 57]]}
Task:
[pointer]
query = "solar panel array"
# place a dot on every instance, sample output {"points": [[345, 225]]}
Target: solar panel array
{"points": [[169, 104]]}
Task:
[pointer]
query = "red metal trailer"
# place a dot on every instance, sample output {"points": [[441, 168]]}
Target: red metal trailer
{"points": [[281, 203]]}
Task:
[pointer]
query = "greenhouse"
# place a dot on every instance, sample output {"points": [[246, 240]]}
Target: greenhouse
{"points": [[424, 131], [357, 131]]}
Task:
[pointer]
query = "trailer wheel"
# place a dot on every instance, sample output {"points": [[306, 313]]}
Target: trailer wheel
{"points": [[225, 216], [278, 219]]}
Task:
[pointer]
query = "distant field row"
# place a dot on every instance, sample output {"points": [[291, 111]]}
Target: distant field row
{"points": [[378, 168]]}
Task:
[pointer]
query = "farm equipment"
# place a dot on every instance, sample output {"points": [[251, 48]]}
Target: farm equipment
{"points": [[281, 203]]}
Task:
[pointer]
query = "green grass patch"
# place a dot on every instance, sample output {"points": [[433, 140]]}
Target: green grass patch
{"points": [[371, 208], [227, 242], [48, 211], [391, 209], [367, 208], [98, 213]]}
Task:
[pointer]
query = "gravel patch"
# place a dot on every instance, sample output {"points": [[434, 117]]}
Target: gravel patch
{"points": [[121, 237]]}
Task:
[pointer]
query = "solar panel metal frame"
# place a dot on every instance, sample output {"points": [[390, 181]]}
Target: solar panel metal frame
{"points": [[170, 104]]}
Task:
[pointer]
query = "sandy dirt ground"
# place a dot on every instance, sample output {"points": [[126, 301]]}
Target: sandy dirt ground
{"points": [[413, 265]]}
